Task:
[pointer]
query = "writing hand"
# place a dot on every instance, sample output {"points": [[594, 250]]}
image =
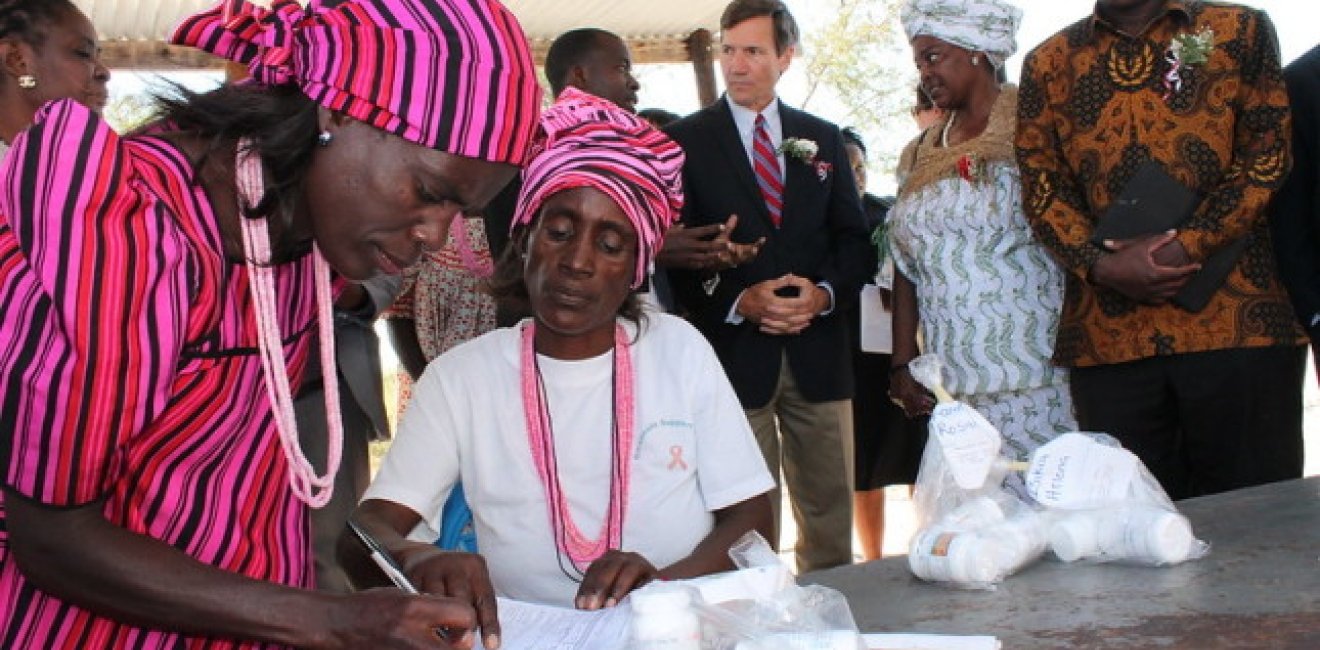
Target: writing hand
{"points": [[462, 576], [388, 618]]}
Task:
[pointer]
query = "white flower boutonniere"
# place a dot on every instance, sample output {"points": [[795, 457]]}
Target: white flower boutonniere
{"points": [[801, 148], [1185, 51]]}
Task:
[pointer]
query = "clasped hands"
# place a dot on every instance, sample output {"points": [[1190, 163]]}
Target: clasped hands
{"points": [[464, 576], [706, 248], [783, 305], [1149, 269]]}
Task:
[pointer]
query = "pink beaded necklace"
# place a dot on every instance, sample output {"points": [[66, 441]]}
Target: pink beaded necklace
{"points": [[311, 489], [569, 539]]}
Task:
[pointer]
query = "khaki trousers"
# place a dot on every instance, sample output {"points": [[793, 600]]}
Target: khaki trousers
{"points": [[813, 443]]}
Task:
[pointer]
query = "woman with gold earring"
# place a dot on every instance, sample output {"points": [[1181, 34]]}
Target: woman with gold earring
{"points": [[48, 50], [984, 293]]}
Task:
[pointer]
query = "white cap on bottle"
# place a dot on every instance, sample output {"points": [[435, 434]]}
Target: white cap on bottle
{"points": [[659, 597], [1169, 538]]}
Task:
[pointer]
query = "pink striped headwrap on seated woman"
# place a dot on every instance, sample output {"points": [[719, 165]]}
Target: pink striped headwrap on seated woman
{"points": [[590, 142], [452, 75]]}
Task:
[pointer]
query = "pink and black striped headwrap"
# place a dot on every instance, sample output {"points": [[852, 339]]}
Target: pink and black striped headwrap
{"points": [[590, 142], [453, 75]]}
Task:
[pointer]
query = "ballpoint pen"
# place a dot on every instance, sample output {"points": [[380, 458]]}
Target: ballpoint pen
{"points": [[382, 559], [391, 569]]}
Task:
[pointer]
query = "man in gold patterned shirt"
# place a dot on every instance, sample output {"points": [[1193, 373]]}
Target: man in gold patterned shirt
{"points": [[1209, 399]]}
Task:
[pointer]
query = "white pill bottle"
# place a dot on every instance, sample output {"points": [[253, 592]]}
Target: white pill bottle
{"points": [[663, 619]]}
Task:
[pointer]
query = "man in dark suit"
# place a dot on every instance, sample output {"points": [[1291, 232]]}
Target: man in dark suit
{"points": [[775, 319], [1295, 214]]}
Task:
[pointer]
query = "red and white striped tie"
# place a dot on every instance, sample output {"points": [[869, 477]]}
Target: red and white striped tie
{"points": [[768, 175]]}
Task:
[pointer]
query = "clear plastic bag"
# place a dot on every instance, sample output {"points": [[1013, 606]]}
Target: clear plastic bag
{"points": [[974, 528], [757, 607], [1082, 496], [1105, 506], [975, 540]]}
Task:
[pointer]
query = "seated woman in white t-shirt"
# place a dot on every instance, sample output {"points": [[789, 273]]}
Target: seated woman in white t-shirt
{"points": [[600, 447]]}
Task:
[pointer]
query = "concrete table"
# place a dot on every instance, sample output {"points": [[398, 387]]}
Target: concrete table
{"points": [[1258, 588]]}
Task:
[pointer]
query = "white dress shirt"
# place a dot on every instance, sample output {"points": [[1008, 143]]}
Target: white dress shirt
{"points": [[745, 120]]}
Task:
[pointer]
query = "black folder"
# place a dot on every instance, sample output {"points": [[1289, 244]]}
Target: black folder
{"points": [[1152, 201]]}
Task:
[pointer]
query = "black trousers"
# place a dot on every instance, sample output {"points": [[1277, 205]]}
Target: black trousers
{"points": [[1202, 422]]}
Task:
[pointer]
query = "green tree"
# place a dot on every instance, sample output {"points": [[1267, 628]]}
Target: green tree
{"points": [[858, 59]]}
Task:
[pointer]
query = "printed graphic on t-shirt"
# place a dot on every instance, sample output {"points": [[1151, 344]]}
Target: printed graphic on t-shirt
{"points": [[667, 444]]}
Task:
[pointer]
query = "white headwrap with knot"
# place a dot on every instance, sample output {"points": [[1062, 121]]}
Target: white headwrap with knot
{"points": [[988, 26]]}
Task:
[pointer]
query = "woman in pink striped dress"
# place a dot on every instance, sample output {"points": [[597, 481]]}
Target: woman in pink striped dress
{"points": [[160, 293]]}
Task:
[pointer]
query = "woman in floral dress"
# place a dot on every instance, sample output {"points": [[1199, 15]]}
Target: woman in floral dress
{"points": [[985, 295], [442, 302]]}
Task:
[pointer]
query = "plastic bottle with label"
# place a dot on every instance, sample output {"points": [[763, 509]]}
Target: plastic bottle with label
{"points": [[1145, 534], [1140, 534], [958, 557]]}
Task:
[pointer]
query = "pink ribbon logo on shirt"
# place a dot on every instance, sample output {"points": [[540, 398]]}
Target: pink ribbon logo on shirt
{"points": [[676, 458]]}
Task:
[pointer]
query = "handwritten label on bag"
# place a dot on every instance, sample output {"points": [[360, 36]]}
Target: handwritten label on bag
{"points": [[969, 442], [1073, 471]]}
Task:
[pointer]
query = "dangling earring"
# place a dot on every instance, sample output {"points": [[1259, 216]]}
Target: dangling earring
{"points": [[324, 138], [27, 81], [418, 236], [976, 60]]}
